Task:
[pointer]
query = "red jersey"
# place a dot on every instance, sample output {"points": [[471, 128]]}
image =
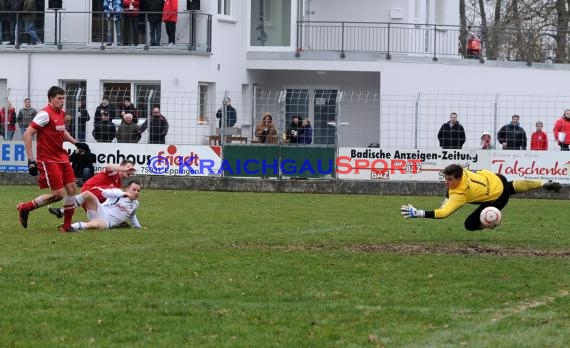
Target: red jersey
{"points": [[100, 181], [103, 179], [51, 135], [539, 141]]}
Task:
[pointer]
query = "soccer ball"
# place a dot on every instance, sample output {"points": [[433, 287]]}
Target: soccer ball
{"points": [[491, 217]]}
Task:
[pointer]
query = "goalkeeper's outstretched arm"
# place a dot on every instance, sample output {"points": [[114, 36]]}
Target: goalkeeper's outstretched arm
{"points": [[409, 211], [448, 207]]}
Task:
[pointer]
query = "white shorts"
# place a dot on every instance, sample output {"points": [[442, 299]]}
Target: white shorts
{"points": [[103, 213]]}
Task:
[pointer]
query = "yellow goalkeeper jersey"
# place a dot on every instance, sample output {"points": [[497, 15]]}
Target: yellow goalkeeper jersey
{"points": [[482, 186]]}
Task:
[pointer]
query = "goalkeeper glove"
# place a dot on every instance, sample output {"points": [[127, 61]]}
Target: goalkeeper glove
{"points": [[32, 167], [408, 211], [82, 146]]}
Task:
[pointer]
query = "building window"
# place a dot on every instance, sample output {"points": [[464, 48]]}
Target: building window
{"points": [[439, 15], [270, 23], [203, 104], [74, 91], [225, 8], [143, 95]]}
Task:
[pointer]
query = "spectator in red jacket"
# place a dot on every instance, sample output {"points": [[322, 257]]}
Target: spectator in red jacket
{"points": [[131, 10], [562, 131], [10, 127], [169, 17], [539, 139]]}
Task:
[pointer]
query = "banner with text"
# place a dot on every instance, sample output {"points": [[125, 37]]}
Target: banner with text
{"points": [[149, 159], [426, 165]]}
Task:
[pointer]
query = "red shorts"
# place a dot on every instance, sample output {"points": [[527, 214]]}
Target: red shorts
{"points": [[54, 175], [98, 192]]}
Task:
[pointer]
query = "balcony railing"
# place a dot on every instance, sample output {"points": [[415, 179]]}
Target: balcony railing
{"points": [[430, 40], [64, 29]]}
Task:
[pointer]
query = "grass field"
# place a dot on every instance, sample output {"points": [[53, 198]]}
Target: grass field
{"points": [[218, 269]]}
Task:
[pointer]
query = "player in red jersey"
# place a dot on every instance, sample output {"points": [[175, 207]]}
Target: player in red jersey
{"points": [[110, 177], [51, 161]]}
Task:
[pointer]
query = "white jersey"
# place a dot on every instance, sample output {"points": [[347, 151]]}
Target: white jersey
{"points": [[117, 209]]}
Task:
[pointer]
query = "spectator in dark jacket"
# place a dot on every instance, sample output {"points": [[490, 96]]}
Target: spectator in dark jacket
{"points": [[104, 130], [231, 114], [306, 132], [157, 127], [107, 107], [512, 136], [153, 9], [293, 130], [451, 134], [128, 108], [82, 164]]}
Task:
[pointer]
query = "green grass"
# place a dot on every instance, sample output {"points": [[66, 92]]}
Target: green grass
{"points": [[218, 269]]}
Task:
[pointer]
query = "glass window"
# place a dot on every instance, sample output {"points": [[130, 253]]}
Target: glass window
{"points": [[147, 96], [142, 95], [203, 104], [225, 8], [439, 15], [72, 93], [270, 23]]}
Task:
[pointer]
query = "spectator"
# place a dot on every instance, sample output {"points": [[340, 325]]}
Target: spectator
{"points": [[128, 131], [561, 131], [539, 139], [169, 17], [157, 129], [26, 115], [113, 10], [69, 126], [13, 6], [107, 107], [486, 141], [306, 132], [82, 163], [231, 114], [293, 131], [131, 8], [8, 123], [451, 134], [104, 130], [82, 118], [29, 19], [4, 18], [265, 130], [153, 9], [512, 136], [128, 108]]}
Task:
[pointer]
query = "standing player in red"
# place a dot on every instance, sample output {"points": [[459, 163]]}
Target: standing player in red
{"points": [[52, 161], [110, 177]]}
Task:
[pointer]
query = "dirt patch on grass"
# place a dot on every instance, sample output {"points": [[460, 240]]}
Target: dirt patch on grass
{"points": [[414, 249], [456, 250]]}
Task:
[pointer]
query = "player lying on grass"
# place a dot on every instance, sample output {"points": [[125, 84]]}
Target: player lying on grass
{"points": [[483, 187], [109, 177], [119, 207]]}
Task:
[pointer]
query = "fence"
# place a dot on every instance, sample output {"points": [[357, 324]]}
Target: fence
{"points": [[337, 118], [497, 43], [80, 29]]}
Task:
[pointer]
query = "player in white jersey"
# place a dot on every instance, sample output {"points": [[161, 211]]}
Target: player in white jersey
{"points": [[119, 207]]}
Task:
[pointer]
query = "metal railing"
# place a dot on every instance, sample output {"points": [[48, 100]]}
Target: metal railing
{"points": [[433, 40], [79, 29]]}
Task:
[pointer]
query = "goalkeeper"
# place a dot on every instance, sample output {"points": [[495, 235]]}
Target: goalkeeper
{"points": [[483, 187]]}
